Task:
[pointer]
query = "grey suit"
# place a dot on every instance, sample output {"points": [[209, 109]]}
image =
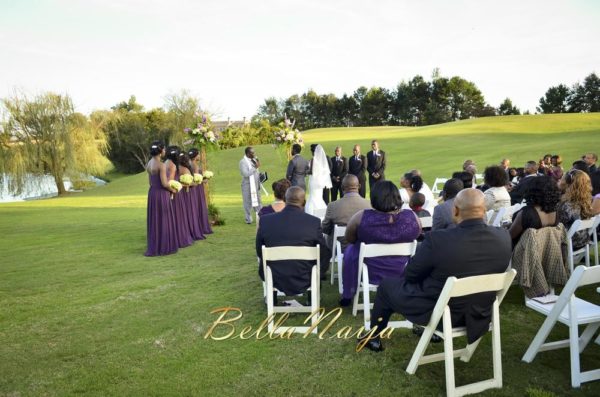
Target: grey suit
{"points": [[297, 170], [339, 212], [442, 215], [247, 169]]}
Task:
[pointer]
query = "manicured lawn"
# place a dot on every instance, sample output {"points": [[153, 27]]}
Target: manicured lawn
{"points": [[82, 311]]}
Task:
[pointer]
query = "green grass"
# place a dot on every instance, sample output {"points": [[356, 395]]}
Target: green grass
{"points": [[83, 312]]}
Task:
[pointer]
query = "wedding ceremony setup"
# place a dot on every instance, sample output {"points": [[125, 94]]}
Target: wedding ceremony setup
{"points": [[299, 198]]}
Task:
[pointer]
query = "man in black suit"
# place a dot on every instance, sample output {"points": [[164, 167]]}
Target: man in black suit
{"points": [[339, 169], [375, 164], [357, 164], [518, 192], [291, 227], [471, 249]]}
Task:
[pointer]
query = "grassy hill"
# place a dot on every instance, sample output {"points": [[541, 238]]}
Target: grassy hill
{"points": [[83, 312]]}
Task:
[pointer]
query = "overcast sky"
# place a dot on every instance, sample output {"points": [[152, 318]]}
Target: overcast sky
{"points": [[234, 54]]}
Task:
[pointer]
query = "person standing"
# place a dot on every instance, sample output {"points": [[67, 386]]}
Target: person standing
{"points": [[375, 164], [249, 166], [339, 169], [297, 168], [357, 164]]}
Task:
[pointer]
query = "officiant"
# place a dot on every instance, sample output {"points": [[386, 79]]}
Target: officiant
{"points": [[249, 166]]}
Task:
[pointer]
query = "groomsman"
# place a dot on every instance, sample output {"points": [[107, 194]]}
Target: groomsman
{"points": [[339, 169], [375, 164], [357, 164], [297, 168]]}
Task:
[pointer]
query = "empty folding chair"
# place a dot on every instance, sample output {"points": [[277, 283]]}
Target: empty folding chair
{"points": [[574, 256], [454, 287], [438, 181], [337, 256]]}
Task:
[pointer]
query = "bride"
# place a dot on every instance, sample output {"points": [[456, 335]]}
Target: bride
{"points": [[319, 179]]}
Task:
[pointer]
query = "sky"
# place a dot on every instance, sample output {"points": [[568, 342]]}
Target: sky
{"points": [[233, 54]]}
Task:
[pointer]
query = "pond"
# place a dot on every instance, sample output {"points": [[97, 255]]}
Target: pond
{"points": [[36, 187]]}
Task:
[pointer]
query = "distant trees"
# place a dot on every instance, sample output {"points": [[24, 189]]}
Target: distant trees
{"points": [[415, 102], [507, 108], [579, 98], [44, 135]]}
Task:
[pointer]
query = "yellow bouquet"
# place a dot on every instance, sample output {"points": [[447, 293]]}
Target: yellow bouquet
{"points": [[186, 180], [198, 178], [173, 184], [208, 174]]}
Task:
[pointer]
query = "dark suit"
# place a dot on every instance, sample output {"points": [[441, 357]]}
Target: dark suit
{"points": [[470, 249], [297, 170], [339, 169], [376, 163], [292, 226], [519, 191], [357, 167]]}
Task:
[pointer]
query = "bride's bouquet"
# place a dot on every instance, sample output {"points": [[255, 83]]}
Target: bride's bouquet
{"points": [[287, 136], [175, 185], [186, 180]]}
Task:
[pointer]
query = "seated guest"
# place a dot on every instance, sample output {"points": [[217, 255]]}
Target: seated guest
{"points": [[386, 223], [291, 227], [442, 214], [340, 211], [470, 249], [496, 196], [430, 201], [542, 198], [595, 192], [581, 165], [576, 203], [513, 176], [279, 189], [518, 192], [416, 203], [411, 184], [466, 178]]}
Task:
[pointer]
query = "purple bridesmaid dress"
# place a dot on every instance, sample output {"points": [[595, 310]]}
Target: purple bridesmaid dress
{"points": [[181, 217], [203, 210], [191, 202], [160, 221], [375, 228]]}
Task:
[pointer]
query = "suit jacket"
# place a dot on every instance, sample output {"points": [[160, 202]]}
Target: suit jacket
{"points": [[246, 169], [297, 170], [292, 226], [376, 163], [470, 249], [339, 169], [358, 167], [339, 212], [442, 215], [519, 191]]}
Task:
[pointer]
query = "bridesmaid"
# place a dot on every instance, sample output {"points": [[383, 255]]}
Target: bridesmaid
{"points": [[190, 199], [199, 191], [181, 213], [160, 220]]}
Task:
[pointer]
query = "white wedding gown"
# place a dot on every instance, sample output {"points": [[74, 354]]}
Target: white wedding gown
{"points": [[318, 180]]}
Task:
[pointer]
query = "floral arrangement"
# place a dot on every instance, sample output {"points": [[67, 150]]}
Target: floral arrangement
{"points": [[201, 133], [186, 180], [208, 175], [198, 178], [287, 136], [175, 185]]}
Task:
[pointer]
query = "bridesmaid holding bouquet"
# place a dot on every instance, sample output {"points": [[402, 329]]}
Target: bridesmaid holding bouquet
{"points": [[194, 156], [189, 197], [179, 206], [160, 221]]}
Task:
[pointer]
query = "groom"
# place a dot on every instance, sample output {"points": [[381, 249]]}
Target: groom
{"points": [[297, 168]]}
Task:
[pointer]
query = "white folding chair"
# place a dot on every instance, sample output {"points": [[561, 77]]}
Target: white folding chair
{"points": [[488, 216], [337, 255], [454, 287], [496, 219], [426, 221], [479, 179], [365, 287], [435, 189], [292, 253], [594, 238], [574, 256], [572, 312]]}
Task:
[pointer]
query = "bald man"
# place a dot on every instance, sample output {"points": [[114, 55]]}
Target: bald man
{"points": [[291, 227], [470, 249]]}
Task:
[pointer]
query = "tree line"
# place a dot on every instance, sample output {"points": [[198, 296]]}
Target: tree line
{"points": [[580, 97]]}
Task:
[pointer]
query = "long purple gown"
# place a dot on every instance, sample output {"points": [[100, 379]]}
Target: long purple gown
{"points": [[203, 209], [191, 203], [160, 221], [181, 217], [375, 228]]}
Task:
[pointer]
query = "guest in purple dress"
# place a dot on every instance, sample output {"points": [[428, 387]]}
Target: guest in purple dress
{"points": [[160, 221], [190, 200], [179, 207], [384, 224], [200, 193], [279, 189]]}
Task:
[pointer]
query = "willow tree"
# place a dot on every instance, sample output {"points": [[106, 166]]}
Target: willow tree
{"points": [[44, 135]]}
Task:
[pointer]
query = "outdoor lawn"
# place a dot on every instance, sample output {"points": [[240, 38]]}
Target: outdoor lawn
{"points": [[83, 312]]}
